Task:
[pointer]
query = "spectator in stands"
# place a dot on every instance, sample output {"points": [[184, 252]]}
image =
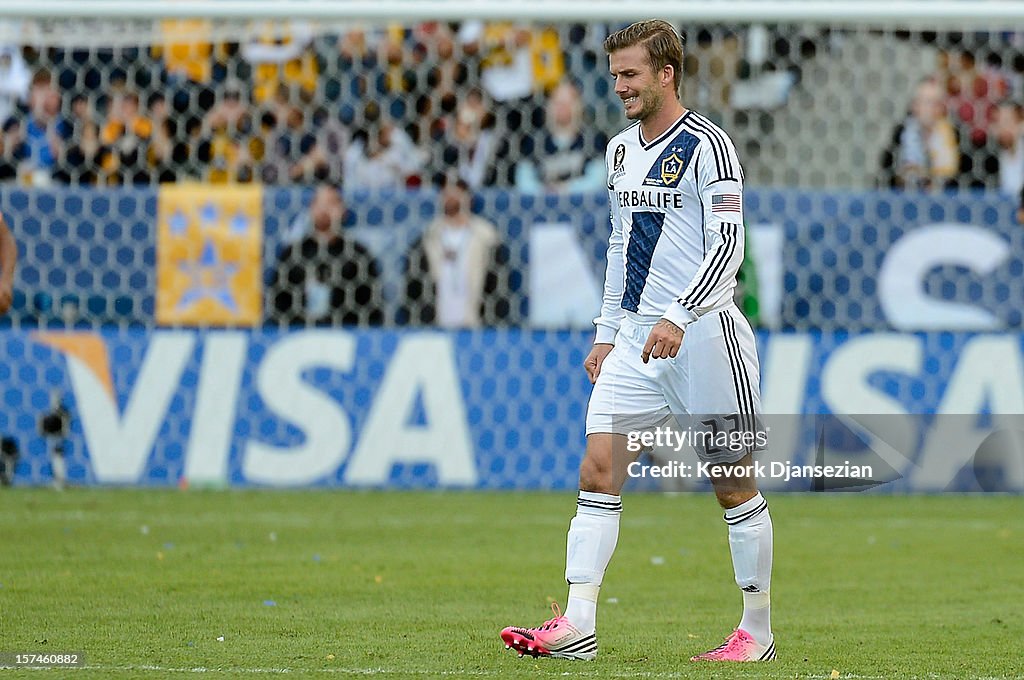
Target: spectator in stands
{"points": [[457, 273], [12, 149], [348, 70], [474, 145], [190, 57], [45, 131], [88, 160], [194, 151], [923, 152], [382, 155], [565, 157], [326, 279], [450, 72], [1008, 133], [972, 94], [228, 127], [399, 68], [127, 134], [279, 105], [290, 145], [80, 114], [166, 151], [711, 67], [282, 57], [436, 96], [14, 81], [517, 62], [322, 161]]}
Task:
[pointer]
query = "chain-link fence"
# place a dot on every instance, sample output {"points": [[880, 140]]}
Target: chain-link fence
{"points": [[522, 105], [330, 185], [486, 107]]}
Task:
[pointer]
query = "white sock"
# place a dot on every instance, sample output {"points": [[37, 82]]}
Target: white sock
{"points": [[593, 534], [750, 540]]}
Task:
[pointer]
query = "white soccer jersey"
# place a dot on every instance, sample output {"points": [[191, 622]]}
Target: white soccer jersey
{"points": [[677, 224]]}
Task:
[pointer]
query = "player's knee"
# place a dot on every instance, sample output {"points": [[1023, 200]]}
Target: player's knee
{"points": [[732, 496], [596, 475]]}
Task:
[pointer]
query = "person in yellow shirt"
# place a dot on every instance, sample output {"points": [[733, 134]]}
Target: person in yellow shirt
{"points": [[230, 128], [127, 134], [281, 57], [187, 50]]}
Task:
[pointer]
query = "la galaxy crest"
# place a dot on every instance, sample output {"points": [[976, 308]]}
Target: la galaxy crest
{"points": [[671, 168]]}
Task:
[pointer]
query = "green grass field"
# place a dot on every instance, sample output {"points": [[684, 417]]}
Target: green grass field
{"points": [[417, 585]]}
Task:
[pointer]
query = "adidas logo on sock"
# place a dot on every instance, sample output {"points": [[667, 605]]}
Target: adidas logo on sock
{"points": [[750, 589]]}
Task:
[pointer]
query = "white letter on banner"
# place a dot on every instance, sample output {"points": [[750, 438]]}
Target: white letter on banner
{"points": [[844, 379], [423, 364], [213, 419], [784, 373], [324, 424], [880, 420], [786, 361], [989, 374], [563, 290], [120, 445], [901, 278]]}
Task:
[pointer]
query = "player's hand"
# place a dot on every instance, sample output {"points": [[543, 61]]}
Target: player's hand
{"points": [[595, 360], [663, 342], [6, 295]]}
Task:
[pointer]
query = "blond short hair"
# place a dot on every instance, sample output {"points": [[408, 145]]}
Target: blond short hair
{"points": [[664, 46]]}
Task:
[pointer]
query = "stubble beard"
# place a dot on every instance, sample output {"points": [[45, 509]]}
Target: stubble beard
{"points": [[650, 103]]}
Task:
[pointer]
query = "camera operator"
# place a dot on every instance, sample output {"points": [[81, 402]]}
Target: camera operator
{"points": [[8, 459], [54, 426]]}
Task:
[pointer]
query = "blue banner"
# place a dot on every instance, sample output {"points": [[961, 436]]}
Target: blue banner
{"points": [[482, 409], [844, 261], [906, 261]]}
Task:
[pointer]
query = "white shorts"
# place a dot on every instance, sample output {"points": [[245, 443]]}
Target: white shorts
{"points": [[715, 375]]}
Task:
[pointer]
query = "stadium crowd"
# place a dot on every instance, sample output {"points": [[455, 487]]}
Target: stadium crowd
{"points": [[497, 103], [964, 128], [371, 108], [459, 106]]}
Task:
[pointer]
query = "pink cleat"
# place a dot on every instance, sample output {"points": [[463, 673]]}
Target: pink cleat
{"points": [[556, 638], [739, 646]]}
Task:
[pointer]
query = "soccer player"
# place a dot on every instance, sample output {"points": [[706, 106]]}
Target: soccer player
{"points": [[675, 187], [8, 260]]}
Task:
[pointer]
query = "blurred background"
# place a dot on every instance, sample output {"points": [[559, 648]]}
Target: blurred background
{"points": [[364, 246]]}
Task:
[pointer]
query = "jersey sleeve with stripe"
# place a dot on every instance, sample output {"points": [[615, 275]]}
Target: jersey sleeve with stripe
{"points": [[719, 185]]}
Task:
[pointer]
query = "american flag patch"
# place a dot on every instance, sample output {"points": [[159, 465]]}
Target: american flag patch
{"points": [[726, 203]]}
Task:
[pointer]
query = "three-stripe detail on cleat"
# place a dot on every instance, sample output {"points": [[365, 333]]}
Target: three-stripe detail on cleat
{"points": [[769, 654], [585, 645]]}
